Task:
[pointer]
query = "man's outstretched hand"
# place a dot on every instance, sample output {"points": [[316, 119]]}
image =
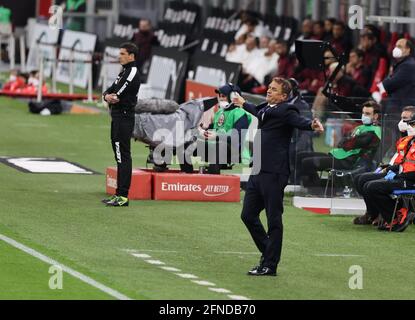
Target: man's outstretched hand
{"points": [[317, 126]]}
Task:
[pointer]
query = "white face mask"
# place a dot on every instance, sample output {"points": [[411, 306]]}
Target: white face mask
{"points": [[223, 104], [411, 131], [33, 82], [403, 126], [397, 53], [366, 119]]}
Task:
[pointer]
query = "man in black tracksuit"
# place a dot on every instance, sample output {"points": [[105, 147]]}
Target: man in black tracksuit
{"points": [[122, 98]]}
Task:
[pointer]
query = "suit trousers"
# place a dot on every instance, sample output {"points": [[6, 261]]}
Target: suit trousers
{"points": [[361, 183], [379, 191], [265, 191], [122, 126]]}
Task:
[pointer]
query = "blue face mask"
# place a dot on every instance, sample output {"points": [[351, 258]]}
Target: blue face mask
{"points": [[366, 119]]}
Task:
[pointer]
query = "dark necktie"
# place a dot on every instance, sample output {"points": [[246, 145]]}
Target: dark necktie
{"points": [[262, 112]]}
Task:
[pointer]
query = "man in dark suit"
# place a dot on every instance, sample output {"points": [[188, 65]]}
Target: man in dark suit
{"points": [[277, 119], [400, 85]]}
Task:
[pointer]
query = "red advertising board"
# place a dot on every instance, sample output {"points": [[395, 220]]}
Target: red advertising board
{"points": [[141, 184], [196, 90], [196, 187]]}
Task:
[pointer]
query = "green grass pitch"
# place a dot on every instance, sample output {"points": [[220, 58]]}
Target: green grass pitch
{"points": [[61, 216]]}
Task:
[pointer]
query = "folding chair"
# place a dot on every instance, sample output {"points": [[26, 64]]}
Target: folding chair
{"points": [[408, 198]]}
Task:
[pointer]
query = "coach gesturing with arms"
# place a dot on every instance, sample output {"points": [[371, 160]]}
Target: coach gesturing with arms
{"points": [[265, 190], [122, 98]]}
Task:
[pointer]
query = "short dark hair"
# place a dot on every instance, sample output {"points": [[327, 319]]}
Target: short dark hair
{"points": [[332, 20], [284, 83], [252, 21], [410, 109], [359, 52], [131, 48], [372, 104], [340, 23], [371, 28], [368, 35]]}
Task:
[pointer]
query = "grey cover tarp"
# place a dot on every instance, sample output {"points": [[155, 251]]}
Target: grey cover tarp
{"points": [[173, 129], [156, 106]]}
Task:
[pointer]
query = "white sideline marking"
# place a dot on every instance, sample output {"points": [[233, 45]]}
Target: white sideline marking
{"points": [[234, 297], [337, 255], [72, 272], [171, 269], [203, 283], [187, 275], [220, 290], [235, 252], [156, 262], [160, 251], [134, 250], [190, 276], [28, 124], [141, 255]]}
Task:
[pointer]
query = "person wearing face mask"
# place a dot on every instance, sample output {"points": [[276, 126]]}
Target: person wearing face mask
{"points": [[33, 84], [17, 82], [228, 125], [400, 176], [361, 181], [400, 85], [33, 78], [355, 150]]}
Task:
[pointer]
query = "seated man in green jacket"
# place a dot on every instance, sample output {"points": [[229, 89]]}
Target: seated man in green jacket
{"points": [[358, 149], [223, 142]]}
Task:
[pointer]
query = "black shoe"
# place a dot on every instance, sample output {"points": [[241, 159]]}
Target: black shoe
{"points": [[254, 269], [108, 200], [362, 220], [262, 271], [259, 266], [118, 202]]}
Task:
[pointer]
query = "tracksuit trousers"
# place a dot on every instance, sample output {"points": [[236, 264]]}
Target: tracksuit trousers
{"points": [[122, 126]]}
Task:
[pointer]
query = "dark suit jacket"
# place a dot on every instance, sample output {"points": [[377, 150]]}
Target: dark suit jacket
{"points": [[400, 86], [276, 130]]}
